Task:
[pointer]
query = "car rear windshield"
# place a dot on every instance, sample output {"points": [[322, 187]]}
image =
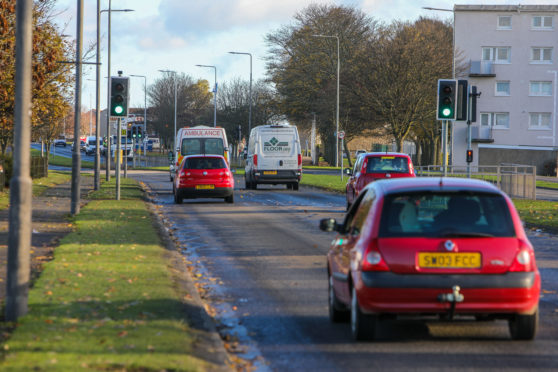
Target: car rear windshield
{"points": [[204, 163], [432, 214], [385, 164]]}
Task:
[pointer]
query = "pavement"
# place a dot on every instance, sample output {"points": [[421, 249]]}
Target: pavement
{"points": [[50, 223]]}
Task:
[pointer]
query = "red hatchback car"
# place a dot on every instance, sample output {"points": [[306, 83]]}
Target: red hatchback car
{"points": [[432, 246], [374, 166], [203, 176]]}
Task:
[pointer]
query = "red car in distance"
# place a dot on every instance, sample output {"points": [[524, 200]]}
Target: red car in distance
{"points": [[203, 176], [374, 166], [432, 247]]}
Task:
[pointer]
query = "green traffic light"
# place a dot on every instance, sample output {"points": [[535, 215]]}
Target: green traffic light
{"points": [[446, 112], [118, 109]]}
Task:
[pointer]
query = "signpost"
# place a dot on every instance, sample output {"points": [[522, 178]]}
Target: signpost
{"points": [[341, 136]]}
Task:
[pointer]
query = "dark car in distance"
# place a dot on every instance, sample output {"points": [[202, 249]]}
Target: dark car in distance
{"points": [[445, 247]]}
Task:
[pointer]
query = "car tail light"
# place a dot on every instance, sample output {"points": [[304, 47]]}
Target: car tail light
{"points": [[524, 260], [299, 160], [255, 159], [373, 260]]}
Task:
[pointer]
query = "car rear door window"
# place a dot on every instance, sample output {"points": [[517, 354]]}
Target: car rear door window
{"points": [[431, 214], [204, 163], [383, 164]]}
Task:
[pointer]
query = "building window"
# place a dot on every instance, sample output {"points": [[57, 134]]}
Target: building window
{"points": [[502, 88], [542, 22], [497, 54], [541, 55], [540, 88], [539, 120], [498, 120], [504, 23]]}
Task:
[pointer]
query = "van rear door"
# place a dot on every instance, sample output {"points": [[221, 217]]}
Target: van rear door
{"points": [[279, 149]]}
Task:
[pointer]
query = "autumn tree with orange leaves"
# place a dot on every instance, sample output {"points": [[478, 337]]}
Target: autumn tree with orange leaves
{"points": [[51, 80]]}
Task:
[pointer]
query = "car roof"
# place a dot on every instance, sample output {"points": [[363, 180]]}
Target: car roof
{"points": [[385, 153], [442, 184]]}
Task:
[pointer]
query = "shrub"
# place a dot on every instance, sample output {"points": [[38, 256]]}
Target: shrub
{"points": [[8, 163]]}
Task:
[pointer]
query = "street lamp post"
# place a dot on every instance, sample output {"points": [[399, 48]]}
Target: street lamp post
{"points": [[250, 110], [214, 95], [144, 111], [337, 109], [174, 134], [109, 11]]}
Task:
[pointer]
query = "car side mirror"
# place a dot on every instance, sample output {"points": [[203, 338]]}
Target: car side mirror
{"points": [[171, 156], [233, 170], [328, 224], [348, 171]]}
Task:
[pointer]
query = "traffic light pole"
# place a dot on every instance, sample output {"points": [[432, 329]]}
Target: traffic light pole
{"points": [[445, 147], [118, 157], [469, 115]]}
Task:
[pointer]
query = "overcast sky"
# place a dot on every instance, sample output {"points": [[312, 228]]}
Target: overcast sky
{"points": [[178, 34]]}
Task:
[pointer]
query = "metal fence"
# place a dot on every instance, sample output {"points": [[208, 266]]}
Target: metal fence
{"points": [[39, 167], [518, 181]]}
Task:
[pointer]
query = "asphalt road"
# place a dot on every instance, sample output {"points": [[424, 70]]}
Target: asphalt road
{"points": [[261, 267]]}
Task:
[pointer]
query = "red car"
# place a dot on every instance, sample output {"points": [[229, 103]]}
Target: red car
{"points": [[374, 166], [432, 246], [203, 176]]}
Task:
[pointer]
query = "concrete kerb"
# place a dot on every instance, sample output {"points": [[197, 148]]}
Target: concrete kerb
{"points": [[208, 344]]}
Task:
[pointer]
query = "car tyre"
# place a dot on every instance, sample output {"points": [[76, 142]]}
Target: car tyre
{"points": [[289, 186], [295, 186], [337, 311], [248, 186], [230, 199], [363, 326], [348, 205], [524, 327]]}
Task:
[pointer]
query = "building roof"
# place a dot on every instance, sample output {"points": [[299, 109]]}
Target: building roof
{"points": [[506, 8]]}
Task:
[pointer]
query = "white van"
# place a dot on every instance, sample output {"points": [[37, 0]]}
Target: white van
{"points": [[274, 156], [90, 145]]}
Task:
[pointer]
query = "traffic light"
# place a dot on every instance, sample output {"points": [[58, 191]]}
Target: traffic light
{"points": [[447, 94], [140, 132], [462, 111], [128, 134], [119, 96], [469, 156]]}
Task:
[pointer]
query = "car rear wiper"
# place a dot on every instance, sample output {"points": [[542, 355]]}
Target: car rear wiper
{"points": [[457, 233]]}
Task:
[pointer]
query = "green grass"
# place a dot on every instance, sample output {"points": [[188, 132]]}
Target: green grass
{"points": [[547, 184], [40, 185], [128, 190], [107, 301], [63, 161], [326, 181], [538, 214]]}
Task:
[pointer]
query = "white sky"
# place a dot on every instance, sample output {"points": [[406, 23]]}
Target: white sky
{"points": [[178, 34]]}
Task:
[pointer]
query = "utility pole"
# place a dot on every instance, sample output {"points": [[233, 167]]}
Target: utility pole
{"points": [[76, 155], [19, 235], [97, 180]]}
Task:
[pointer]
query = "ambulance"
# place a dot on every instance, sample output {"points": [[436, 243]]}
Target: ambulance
{"points": [[200, 140]]}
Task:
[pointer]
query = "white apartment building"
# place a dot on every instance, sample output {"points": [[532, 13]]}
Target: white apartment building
{"points": [[510, 54]]}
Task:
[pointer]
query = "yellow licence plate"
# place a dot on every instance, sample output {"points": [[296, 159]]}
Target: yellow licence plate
{"points": [[450, 260], [270, 172], [205, 187]]}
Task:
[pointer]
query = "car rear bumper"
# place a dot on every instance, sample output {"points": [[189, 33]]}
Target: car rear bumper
{"points": [[192, 193], [387, 292], [282, 176]]}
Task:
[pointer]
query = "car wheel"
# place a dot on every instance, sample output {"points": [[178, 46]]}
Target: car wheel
{"points": [[363, 327], [289, 186], [295, 186], [524, 327], [254, 185], [348, 205], [230, 199], [247, 184], [337, 313]]}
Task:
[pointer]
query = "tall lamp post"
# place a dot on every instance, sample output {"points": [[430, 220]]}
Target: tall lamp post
{"points": [[250, 110], [174, 134], [109, 11], [145, 110], [337, 109], [214, 94]]}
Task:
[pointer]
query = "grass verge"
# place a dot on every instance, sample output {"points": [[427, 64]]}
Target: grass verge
{"points": [[324, 181], [40, 185], [63, 161], [107, 301]]}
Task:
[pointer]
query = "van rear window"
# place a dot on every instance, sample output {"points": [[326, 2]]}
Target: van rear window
{"points": [[195, 146]]}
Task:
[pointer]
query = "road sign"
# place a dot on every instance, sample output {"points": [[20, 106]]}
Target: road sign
{"points": [[341, 134], [124, 131]]}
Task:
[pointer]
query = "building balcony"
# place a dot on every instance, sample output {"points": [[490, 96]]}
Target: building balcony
{"points": [[481, 134], [481, 69]]}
